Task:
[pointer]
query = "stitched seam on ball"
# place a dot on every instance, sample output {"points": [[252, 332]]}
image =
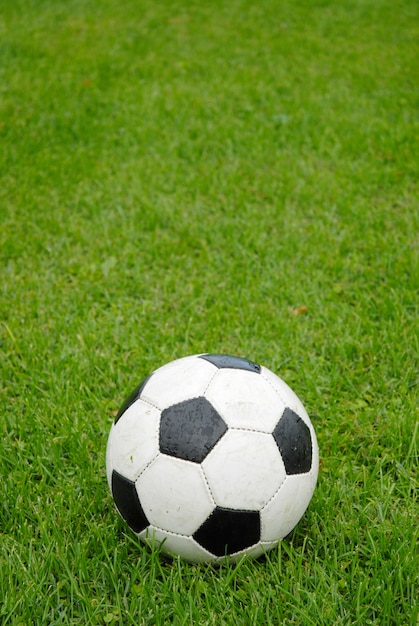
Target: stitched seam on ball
{"points": [[172, 534], [207, 483], [251, 430], [147, 466], [276, 492], [243, 550], [287, 404], [157, 431], [210, 381], [150, 404], [275, 389], [169, 532]]}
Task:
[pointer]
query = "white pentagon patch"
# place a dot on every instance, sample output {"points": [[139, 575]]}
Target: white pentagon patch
{"points": [[245, 400], [174, 495], [244, 470]]}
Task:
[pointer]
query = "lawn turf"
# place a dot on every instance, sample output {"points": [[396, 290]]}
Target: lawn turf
{"points": [[179, 177]]}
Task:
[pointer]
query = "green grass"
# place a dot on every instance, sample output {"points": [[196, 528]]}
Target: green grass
{"points": [[181, 177]]}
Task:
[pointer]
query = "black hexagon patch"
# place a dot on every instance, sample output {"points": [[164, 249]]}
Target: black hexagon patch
{"points": [[227, 531], [233, 362], [293, 439], [190, 429], [128, 503]]}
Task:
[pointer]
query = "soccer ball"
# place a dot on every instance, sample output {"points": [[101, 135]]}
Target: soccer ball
{"points": [[212, 457]]}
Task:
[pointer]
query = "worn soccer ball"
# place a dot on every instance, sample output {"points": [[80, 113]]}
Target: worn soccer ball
{"points": [[212, 457]]}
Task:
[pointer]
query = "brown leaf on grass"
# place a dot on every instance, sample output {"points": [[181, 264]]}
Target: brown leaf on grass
{"points": [[299, 310]]}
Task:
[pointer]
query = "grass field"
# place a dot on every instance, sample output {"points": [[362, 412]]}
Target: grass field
{"points": [[184, 177]]}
